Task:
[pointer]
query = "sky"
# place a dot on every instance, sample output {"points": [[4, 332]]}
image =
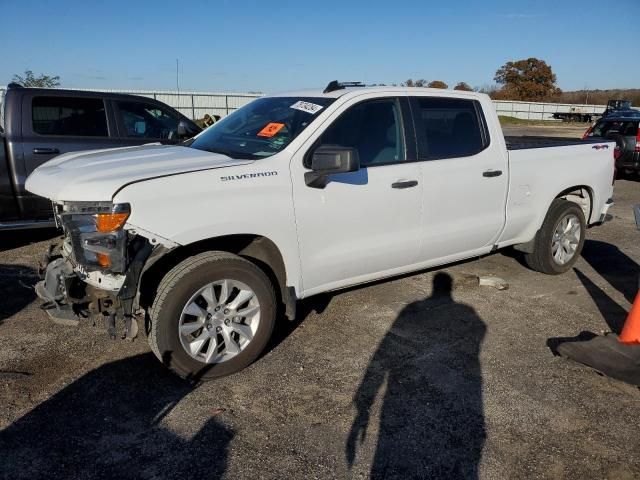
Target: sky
{"points": [[270, 46]]}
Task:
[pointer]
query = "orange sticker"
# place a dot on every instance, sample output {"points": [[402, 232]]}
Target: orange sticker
{"points": [[271, 129]]}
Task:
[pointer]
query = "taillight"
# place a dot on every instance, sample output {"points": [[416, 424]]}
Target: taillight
{"points": [[587, 133], [617, 153], [637, 149]]}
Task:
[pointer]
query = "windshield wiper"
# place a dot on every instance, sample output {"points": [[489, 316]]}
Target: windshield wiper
{"points": [[231, 153]]}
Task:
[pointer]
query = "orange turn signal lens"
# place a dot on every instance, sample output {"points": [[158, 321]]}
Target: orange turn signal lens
{"points": [[103, 260], [108, 222]]}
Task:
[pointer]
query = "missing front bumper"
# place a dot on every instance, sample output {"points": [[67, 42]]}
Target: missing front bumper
{"points": [[53, 290]]}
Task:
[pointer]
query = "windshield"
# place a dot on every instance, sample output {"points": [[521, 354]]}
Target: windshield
{"points": [[261, 128]]}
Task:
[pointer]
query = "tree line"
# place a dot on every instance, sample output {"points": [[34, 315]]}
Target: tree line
{"points": [[436, 84], [529, 79], [533, 80]]}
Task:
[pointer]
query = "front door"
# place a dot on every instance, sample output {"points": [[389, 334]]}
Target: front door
{"points": [[363, 223]]}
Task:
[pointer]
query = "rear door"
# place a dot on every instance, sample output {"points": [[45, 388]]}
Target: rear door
{"points": [[464, 173], [53, 124]]}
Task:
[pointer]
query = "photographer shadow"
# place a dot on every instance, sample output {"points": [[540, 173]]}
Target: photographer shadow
{"points": [[431, 420]]}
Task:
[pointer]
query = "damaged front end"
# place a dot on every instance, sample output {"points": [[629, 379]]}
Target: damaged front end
{"points": [[95, 271]]}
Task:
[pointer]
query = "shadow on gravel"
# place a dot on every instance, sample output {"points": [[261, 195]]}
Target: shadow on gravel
{"points": [[431, 421], [612, 313], [616, 267], [16, 285], [19, 238], [109, 424]]}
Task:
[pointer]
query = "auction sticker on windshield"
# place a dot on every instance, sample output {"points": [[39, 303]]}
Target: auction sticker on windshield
{"points": [[271, 129], [308, 107]]}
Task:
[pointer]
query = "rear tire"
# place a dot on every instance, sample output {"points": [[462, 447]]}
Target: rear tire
{"points": [[186, 293], [545, 257]]}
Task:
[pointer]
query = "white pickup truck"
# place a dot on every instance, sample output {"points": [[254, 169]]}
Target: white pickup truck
{"points": [[295, 194]]}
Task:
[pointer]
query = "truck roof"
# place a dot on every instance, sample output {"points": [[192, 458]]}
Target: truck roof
{"points": [[19, 90], [318, 92]]}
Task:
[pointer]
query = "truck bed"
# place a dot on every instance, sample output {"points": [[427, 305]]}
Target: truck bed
{"points": [[524, 142]]}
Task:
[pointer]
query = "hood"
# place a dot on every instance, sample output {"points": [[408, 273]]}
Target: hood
{"points": [[98, 174]]}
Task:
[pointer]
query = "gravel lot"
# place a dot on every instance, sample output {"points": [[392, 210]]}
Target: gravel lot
{"points": [[391, 380]]}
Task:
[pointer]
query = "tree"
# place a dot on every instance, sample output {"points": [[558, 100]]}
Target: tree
{"points": [[437, 84], [463, 86], [30, 80], [530, 79], [415, 83]]}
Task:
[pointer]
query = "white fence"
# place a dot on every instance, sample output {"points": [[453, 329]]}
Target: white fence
{"points": [[195, 104], [542, 111]]}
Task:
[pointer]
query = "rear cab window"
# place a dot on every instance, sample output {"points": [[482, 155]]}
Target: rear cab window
{"points": [[69, 116], [449, 127]]}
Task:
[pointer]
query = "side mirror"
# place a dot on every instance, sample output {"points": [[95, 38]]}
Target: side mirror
{"points": [[328, 160]]}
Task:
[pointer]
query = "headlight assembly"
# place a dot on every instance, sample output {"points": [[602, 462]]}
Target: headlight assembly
{"points": [[95, 232]]}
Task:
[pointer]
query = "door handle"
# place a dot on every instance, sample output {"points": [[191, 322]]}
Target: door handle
{"points": [[404, 184], [492, 173], [45, 151]]}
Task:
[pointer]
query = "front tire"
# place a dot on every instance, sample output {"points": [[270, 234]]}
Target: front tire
{"points": [[559, 241], [212, 316]]}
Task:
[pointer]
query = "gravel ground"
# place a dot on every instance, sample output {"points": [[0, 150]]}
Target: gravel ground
{"points": [[393, 380]]}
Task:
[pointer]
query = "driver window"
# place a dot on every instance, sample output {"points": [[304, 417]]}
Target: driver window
{"points": [[374, 128], [144, 120]]}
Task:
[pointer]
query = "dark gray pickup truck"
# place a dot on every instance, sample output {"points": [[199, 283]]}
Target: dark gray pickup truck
{"points": [[38, 124]]}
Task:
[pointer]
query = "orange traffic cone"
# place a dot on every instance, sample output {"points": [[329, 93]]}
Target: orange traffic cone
{"points": [[631, 330]]}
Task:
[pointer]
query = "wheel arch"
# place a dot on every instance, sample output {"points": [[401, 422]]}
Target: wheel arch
{"points": [[257, 248], [580, 194]]}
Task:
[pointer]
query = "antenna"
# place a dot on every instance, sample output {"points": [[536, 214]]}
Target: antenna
{"points": [[177, 77], [586, 100]]}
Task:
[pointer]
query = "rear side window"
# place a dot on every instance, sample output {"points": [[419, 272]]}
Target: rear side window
{"points": [[449, 127], [71, 116], [613, 127], [145, 120]]}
